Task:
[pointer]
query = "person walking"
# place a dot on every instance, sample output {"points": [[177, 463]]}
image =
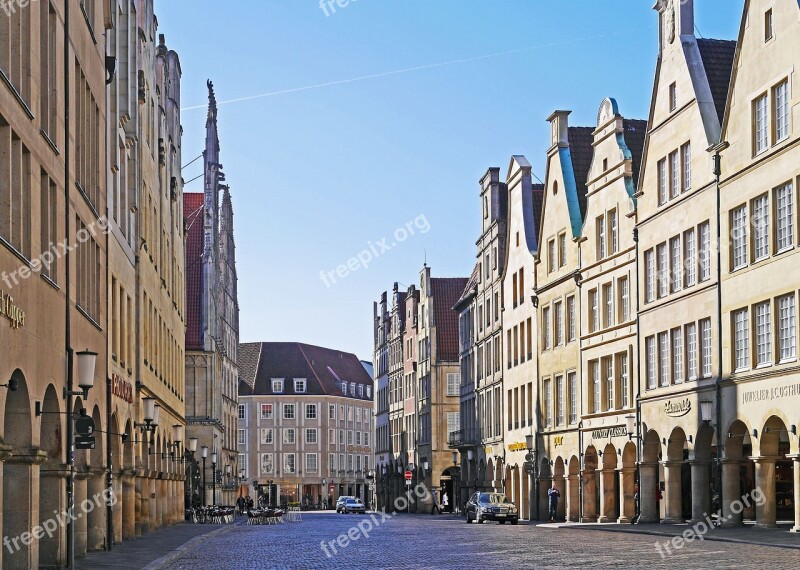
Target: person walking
{"points": [[435, 502], [445, 501], [552, 498]]}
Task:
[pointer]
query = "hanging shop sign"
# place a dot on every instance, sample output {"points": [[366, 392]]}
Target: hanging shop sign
{"points": [[517, 446], [121, 388], [10, 311], [679, 408]]}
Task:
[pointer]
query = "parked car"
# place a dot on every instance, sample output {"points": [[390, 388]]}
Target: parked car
{"points": [[354, 506], [341, 501], [491, 507]]}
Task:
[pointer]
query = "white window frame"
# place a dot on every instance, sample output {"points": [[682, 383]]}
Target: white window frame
{"points": [[760, 224], [782, 114], [739, 237], [761, 124], [650, 355], [300, 385], [689, 258], [784, 217], [277, 385], [287, 408], [289, 436], [677, 355], [787, 332], [763, 323], [691, 351], [704, 252], [741, 339], [289, 463], [705, 347]]}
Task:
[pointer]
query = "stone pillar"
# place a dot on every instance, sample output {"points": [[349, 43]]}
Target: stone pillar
{"points": [[95, 509], [52, 501], [673, 492], [766, 514], [731, 489], [627, 506], [141, 526], [608, 498], [544, 503], [81, 524], [648, 487], [152, 499], [159, 502], [796, 471], [20, 513], [124, 510], [572, 498], [589, 496], [701, 490], [561, 485]]}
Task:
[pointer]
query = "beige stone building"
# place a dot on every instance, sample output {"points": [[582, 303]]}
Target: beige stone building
{"points": [[519, 328], [760, 393]]}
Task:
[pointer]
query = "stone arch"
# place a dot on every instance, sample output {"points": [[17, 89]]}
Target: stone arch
{"points": [[771, 437], [677, 445], [17, 425]]}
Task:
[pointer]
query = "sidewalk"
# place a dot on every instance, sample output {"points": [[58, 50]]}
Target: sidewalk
{"points": [[154, 549], [748, 534]]}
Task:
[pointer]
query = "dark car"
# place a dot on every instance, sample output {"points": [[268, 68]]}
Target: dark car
{"points": [[491, 507], [354, 506], [341, 501]]}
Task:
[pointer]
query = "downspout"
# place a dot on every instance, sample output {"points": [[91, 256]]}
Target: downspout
{"points": [[639, 436], [579, 381], [110, 469], [718, 384]]}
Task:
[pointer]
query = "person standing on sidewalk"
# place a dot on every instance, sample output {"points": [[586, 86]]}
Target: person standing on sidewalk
{"points": [[435, 502], [552, 499], [445, 501]]}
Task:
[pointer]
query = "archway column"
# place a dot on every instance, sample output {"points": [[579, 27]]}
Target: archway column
{"points": [[731, 489], [573, 497], [796, 471], [701, 490], [53, 501], [608, 498], [589, 496], [766, 514], [544, 507], [648, 487], [673, 492], [140, 505], [96, 517], [21, 505], [627, 506], [81, 524]]}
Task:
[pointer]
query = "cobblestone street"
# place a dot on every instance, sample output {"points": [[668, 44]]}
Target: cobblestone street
{"points": [[413, 541]]}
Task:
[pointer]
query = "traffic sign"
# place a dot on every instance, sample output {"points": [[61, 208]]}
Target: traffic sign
{"points": [[529, 457], [529, 467], [408, 475], [408, 482], [84, 426], [84, 442]]}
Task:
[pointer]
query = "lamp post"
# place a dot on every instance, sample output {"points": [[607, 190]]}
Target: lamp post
{"points": [[204, 454], [532, 469], [706, 416], [456, 484], [630, 427], [214, 479], [241, 481], [189, 455]]}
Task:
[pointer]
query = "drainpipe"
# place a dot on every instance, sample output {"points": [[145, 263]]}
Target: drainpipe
{"points": [[639, 436], [110, 469]]}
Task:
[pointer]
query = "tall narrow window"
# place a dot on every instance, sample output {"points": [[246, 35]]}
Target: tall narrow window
{"points": [[689, 258], [677, 268], [686, 162], [562, 250], [559, 400], [546, 327], [594, 323], [781, 96], [595, 386], [787, 327], [673, 96], [624, 299], [784, 212], [551, 256], [741, 339], [608, 303], [650, 350], [769, 31], [614, 230], [763, 334], [601, 237], [760, 227], [49, 223], [662, 181], [650, 275], [571, 317], [739, 236], [705, 340], [705, 251], [677, 356], [761, 125], [674, 174], [609, 378], [663, 358], [663, 270], [573, 397], [624, 380], [559, 314], [691, 351], [548, 408]]}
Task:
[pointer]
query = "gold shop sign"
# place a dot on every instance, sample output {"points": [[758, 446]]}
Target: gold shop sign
{"points": [[679, 408], [518, 446], [604, 433], [12, 312], [558, 440], [358, 449]]}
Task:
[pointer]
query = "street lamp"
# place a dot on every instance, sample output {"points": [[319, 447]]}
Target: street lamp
{"points": [[204, 454], [214, 479], [189, 458]]}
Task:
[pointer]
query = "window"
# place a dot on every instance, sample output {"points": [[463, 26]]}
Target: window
{"points": [[689, 258], [311, 411], [548, 408], [781, 102], [453, 382], [761, 137], [299, 386], [691, 351], [571, 317], [349, 437], [344, 388], [241, 411], [311, 462], [686, 161], [784, 217], [453, 423], [601, 237], [739, 236], [673, 96], [288, 463], [612, 227], [366, 438], [677, 270], [369, 392], [705, 340], [608, 302], [562, 250], [331, 411], [360, 390], [288, 411], [49, 210], [609, 370], [595, 369], [674, 174], [677, 356], [623, 287], [311, 436], [763, 334], [551, 256], [559, 400], [352, 388], [662, 181], [624, 379], [650, 349], [266, 411], [546, 327], [741, 339], [594, 318], [341, 437], [705, 251], [242, 437], [573, 397], [663, 270], [266, 436], [663, 357], [786, 328], [331, 437], [760, 227], [266, 463], [559, 324], [769, 31], [650, 275], [277, 385], [289, 436]]}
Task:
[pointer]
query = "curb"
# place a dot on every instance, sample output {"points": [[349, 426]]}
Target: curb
{"points": [[669, 535], [186, 547]]}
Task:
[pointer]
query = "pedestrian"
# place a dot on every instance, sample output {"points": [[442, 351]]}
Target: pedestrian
{"points": [[552, 498], [435, 503], [445, 500]]}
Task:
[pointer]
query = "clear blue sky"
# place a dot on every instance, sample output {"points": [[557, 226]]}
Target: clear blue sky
{"points": [[317, 174]]}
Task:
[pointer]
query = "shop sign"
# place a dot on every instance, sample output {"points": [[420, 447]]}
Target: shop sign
{"points": [[768, 394], [121, 388], [678, 409], [518, 446], [358, 449], [619, 431], [12, 312], [488, 450], [558, 440]]}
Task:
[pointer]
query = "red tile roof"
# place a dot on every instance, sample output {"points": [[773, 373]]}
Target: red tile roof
{"points": [[193, 219], [446, 292]]}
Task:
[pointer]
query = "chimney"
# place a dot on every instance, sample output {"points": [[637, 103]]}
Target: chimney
{"points": [[559, 128], [675, 19]]}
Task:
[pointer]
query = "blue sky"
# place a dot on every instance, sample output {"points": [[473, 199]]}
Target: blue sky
{"points": [[321, 174]]}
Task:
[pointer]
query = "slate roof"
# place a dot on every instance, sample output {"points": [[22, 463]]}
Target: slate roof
{"points": [[446, 291], [193, 219], [538, 203], [581, 151], [635, 132], [323, 368], [717, 56], [469, 289], [249, 354]]}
